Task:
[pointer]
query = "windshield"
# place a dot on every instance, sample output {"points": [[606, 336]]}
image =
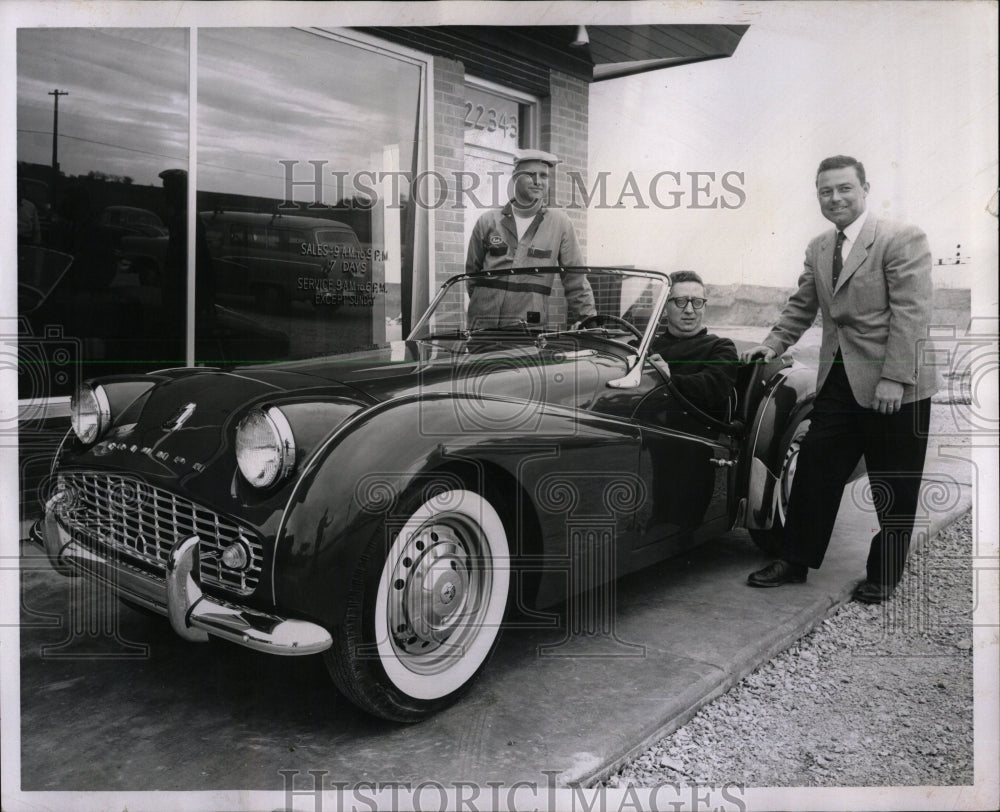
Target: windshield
{"points": [[613, 302]]}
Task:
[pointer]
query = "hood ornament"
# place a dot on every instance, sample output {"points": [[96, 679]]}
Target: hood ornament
{"points": [[180, 417]]}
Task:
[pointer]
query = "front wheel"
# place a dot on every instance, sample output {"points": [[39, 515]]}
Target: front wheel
{"points": [[771, 540], [424, 615]]}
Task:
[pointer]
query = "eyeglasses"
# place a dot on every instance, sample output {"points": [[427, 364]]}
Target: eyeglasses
{"points": [[680, 302]]}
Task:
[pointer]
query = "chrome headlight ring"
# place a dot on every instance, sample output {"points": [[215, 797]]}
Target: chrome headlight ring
{"points": [[265, 447], [90, 412]]}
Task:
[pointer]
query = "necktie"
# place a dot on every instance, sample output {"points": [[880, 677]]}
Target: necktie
{"points": [[838, 257]]}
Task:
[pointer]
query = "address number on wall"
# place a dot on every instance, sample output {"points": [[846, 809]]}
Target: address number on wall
{"points": [[480, 117]]}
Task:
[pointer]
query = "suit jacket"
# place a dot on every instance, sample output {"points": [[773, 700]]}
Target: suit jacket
{"points": [[879, 314]]}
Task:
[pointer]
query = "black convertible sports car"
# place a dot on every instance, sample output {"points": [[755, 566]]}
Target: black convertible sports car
{"points": [[389, 510]]}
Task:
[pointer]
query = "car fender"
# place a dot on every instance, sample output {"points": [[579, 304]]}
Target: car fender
{"points": [[353, 480], [788, 401]]}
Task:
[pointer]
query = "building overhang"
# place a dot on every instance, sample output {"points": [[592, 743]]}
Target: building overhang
{"points": [[521, 56]]}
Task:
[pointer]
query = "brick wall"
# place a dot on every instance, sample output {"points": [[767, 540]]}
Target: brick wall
{"points": [[564, 130], [449, 158]]}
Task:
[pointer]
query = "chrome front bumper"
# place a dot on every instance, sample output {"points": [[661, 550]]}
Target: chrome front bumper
{"points": [[193, 615]]}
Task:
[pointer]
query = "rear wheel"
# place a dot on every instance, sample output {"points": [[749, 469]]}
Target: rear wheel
{"points": [[424, 615], [772, 539]]}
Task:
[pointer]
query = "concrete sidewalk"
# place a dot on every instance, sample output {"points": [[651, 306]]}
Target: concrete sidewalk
{"points": [[551, 709], [701, 630]]}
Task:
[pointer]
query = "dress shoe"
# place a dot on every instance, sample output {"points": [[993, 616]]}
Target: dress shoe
{"points": [[868, 592], [778, 573]]}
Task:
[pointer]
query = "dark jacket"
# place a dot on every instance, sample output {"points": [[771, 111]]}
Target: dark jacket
{"points": [[703, 367]]}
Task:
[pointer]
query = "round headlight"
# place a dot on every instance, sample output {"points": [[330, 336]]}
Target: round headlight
{"points": [[90, 413], [265, 447]]}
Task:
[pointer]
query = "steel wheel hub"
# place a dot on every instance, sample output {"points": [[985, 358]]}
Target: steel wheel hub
{"points": [[434, 589]]}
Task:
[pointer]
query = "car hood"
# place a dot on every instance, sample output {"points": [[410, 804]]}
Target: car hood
{"points": [[183, 427], [181, 432], [563, 373]]}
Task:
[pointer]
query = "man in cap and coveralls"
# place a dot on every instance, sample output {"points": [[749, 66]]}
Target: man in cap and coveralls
{"points": [[525, 233]]}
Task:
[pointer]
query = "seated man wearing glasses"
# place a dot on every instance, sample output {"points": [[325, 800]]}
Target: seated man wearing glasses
{"points": [[703, 369], [702, 365]]}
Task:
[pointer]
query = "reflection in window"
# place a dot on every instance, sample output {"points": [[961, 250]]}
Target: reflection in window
{"points": [[94, 291], [316, 266]]}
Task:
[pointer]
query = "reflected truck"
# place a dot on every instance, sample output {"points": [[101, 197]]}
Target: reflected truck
{"points": [[280, 259]]}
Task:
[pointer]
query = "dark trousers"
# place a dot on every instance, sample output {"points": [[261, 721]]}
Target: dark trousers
{"points": [[841, 432]]}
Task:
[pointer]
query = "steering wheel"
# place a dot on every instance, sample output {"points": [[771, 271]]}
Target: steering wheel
{"points": [[606, 318]]}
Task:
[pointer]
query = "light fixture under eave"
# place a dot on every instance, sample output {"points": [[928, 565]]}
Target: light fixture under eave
{"points": [[581, 38]]}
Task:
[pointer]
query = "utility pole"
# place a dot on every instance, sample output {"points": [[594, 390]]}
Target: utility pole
{"points": [[55, 137]]}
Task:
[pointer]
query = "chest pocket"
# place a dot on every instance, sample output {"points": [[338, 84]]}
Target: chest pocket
{"points": [[539, 253], [868, 291], [495, 245]]}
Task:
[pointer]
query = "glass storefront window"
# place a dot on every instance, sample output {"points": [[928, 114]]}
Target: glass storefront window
{"points": [[306, 145], [100, 114], [303, 244]]}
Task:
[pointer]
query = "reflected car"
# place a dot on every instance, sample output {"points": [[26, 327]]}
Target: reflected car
{"points": [[132, 221], [390, 511]]}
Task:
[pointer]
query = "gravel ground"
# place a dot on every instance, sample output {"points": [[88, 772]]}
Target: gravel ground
{"points": [[873, 696]]}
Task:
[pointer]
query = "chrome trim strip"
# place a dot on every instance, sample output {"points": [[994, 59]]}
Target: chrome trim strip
{"points": [[648, 429], [770, 396], [104, 410], [761, 482], [286, 438]]}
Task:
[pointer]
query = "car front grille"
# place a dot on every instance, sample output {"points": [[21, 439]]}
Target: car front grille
{"points": [[135, 521]]}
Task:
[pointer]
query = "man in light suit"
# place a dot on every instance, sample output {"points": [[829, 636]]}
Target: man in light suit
{"points": [[871, 280]]}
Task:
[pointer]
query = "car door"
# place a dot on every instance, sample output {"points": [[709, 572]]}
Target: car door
{"points": [[686, 465]]}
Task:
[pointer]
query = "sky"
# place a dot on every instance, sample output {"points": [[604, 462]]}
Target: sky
{"points": [[264, 95], [909, 89], [132, 122]]}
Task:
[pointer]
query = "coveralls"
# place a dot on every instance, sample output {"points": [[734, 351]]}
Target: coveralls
{"points": [[549, 241]]}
